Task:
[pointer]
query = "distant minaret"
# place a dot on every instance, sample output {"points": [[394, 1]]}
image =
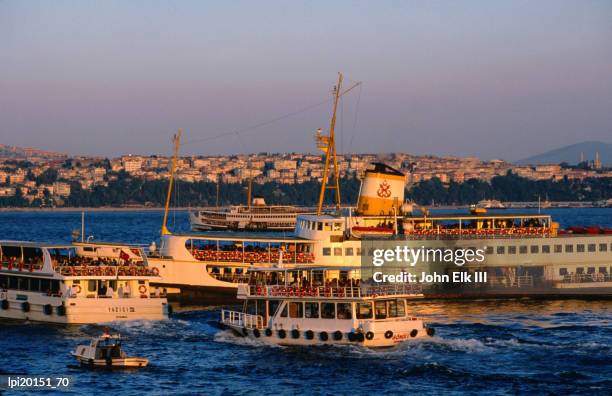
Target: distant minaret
{"points": [[581, 157], [597, 162]]}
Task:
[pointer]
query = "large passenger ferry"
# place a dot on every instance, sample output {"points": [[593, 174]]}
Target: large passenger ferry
{"points": [[525, 253], [54, 283], [317, 306]]}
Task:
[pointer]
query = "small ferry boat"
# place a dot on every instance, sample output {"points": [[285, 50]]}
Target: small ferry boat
{"points": [[258, 216], [105, 351], [54, 283], [312, 306]]}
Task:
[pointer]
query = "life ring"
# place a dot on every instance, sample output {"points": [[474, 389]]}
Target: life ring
{"points": [[268, 333], [414, 333], [282, 333], [25, 306], [295, 333], [388, 334], [5, 304], [431, 331], [337, 335], [77, 288], [48, 309], [323, 336], [309, 334], [155, 271], [352, 336], [256, 333], [142, 289]]}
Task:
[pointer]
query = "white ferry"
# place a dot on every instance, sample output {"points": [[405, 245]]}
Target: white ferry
{"points": [[53, 283], [255, 217], [315, 306], [526, 253]]}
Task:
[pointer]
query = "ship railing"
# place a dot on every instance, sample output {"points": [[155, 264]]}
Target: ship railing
{"points": [[472, 233], [335, 292], [241, 319], [506, 281], [230, 277], [106, 270], [265, 257], [587, 278]]}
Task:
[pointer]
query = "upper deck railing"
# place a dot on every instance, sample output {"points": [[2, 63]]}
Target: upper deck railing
{"points": [[241, 319], [240, 256], [334, 292], [106, 270]]}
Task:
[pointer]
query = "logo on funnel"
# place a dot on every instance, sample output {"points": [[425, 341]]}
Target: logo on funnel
{"points": [[384, 190]]}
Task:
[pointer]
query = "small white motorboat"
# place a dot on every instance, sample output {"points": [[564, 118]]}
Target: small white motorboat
{"points": [[105, 351]]}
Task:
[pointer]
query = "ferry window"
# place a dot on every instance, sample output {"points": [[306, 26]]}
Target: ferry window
{"points": [[3, 282], [348, 252], [396, 309], [338, 251], [603, 247], [358, 252], [522, 249], [591, 247], [44, 285], [227, 270], [32, 255], [364, 311], [380, 309], [35, 285], [239, 271], [328, 311], [284, 312], [580, 248], [558, 248], [22, 283], [88, 249], [545, 248], [489, 250], [273, 306], [345, 311], [511, 249], [501, 249], [591, 270], [535, 249], [311, 310], [569, 248], [579, 271], [296, 310], [603, 270], [562, 271], [12, 282], [320, 226], [11, 252], [326, 251], [91, 285]]}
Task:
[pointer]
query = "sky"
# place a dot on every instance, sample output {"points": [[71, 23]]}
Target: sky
{"points": [[494, 79]]}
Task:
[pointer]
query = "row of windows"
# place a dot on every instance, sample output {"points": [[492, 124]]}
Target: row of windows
{"points": [[29, 284], [535, 249], [589, 270], [320, 226], [327, 310], [349, 251]]}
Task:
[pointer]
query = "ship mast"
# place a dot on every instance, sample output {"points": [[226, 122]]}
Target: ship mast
{"points": [[327, 144], [177, 145]]}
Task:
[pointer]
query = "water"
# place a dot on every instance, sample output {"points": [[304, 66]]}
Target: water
{"points": [[493, 347]]}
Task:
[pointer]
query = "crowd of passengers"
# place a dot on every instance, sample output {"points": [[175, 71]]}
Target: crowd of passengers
{"points": [[251, 254], [93, 261], [301, 282]]}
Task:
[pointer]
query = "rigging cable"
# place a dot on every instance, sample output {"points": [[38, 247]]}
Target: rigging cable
{"points": [[259, 125]]}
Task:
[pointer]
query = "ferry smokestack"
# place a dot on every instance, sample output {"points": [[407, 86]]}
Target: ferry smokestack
{"points": [[382, 191]]}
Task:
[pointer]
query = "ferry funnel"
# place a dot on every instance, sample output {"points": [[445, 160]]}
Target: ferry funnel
{"points": [[382, 191]]}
